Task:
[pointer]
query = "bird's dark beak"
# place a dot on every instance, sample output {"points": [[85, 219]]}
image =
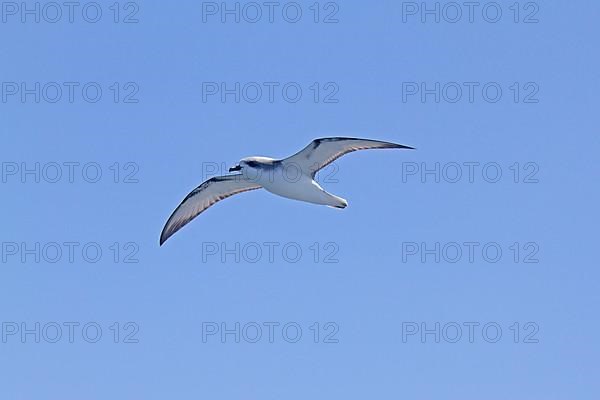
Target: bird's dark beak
{"points": [[236, 168]]}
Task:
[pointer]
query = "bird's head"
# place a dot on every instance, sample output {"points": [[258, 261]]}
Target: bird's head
{"points": [[251, 163], [240, 166]]}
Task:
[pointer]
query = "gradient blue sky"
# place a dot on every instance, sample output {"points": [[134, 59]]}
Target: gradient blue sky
{"points": [[170, 135]]}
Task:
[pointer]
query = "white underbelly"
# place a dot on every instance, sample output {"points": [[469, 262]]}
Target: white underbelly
{"points": [[303, 189]]}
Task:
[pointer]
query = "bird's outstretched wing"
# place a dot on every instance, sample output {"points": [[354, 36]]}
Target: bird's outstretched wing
{"points": [[322, 152], [204, 196]]}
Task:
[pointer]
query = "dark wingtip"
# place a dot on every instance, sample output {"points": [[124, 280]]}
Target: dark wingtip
{"points": [[162, 239], [402, 146]]}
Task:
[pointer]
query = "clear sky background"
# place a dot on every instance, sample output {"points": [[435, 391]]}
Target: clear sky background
{"points": [[163, 139]]}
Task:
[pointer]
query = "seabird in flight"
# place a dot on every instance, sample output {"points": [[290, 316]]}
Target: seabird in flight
{"points": [[291, 177]]}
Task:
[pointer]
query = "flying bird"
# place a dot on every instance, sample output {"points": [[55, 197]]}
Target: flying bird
{"points": [[292, 177]]}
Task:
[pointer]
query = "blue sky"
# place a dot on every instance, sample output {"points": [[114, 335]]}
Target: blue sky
{"points": [[107, 125]]}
